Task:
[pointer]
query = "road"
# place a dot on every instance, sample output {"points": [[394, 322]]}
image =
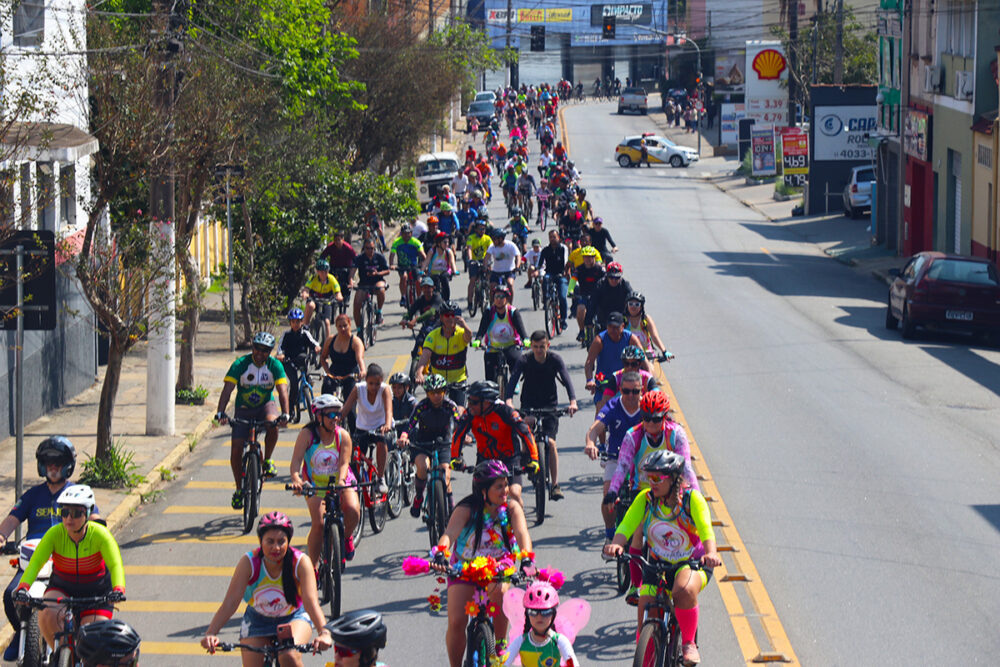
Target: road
{"points": [[855, 472]]}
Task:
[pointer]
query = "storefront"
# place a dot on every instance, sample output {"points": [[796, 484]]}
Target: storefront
{"points": [[918, 193]]}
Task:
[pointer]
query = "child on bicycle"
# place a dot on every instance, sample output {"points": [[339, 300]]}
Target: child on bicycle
{"points": [[403, 400], [293, 351], [357, 638], [540, 644]]}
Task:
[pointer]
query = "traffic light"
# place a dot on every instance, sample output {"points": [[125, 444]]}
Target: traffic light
{"points": [[697, 79], [609, 27], [537, 38]]}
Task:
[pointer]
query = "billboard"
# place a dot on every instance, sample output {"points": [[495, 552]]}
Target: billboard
{"points": [[762, 141], [730, 71], [644, 22], [638, 13], [766, 70], [794, 156], [730, 118], [841, 132]]}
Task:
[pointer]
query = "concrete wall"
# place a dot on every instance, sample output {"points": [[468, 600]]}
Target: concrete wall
{"points": [[982, 194], [953, 160]]}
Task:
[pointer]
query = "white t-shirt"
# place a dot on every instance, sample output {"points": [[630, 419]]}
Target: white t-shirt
{"points": [[459, 184], [532, 257], [504, 257]]}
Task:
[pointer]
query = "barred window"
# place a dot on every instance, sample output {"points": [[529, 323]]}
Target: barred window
{"points": [[984, 155]]}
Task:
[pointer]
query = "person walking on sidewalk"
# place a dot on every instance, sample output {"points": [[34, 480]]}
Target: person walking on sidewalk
{"points": [[254, 376]]}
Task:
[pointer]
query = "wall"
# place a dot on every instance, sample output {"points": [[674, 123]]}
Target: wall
{"points": [[982, 193], [952, 146]]}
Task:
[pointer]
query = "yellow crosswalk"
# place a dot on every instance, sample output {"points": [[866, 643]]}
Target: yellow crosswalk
{"points": [[173, 606], [229, 486], [224, 463], [179, 648], [157, 538], [177, 571]]}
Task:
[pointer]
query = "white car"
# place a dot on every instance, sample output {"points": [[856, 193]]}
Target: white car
{"points": [[485, 96], [661, 151], [858, 191], [433, 171]]}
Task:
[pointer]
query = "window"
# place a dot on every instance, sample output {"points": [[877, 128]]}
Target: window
{"points": [[67, 196], [961, 271], [958, 22], [29, 23], [984, 155]]}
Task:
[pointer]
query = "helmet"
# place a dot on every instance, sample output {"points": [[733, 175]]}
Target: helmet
{"points": [[264, 339], [435, 382], [502, 289], [400, 378], [515, 212], [108, 642], [485, 390], [588, 251], [488, 472], [440, 236], [536, 242], [296, 314], [56, 449], [654, 403], [572, 206], [541, 595], [570, 164], [583, 193], [451, 307], [615, 269], [322, 265], [405, 227], [359, 630], [427, 281], [325, 402], [445, 206], [663, 461], [636, 296], [633, 353], [498, 234], [77, 494], [277, 520], [432, 220], [477, 193]]}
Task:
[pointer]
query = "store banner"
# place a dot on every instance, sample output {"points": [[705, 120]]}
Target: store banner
{"points": [[762, 143], [730, 119], [499, 16], [558, 15], [531, 15], [794, 156], [916, 128], [841, 132], [625, 14]]}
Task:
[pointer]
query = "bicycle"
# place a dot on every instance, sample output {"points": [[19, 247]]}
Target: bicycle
{"points": [[502, 371], [480, 290], [434, 511], [283, 642], [32, 650], [553, 316], [543, 212], [305, 392], [626, 494], [540, 480], [252, 481], [374, 503], [63, 652], [412, 283], [369, 318], [319, 325], [659, 642], [398, 475], [536, 290]]}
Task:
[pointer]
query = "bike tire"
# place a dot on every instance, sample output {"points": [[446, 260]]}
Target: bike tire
{"points": [[34, 644], [536, 293], [551, 319], [674, 649], [251, 489], [409, 482], [474, 304], [482, 645], [541, 483], [334, 567], [623, 578], [649, 648], [378, 512], [394, 478], [438, 518], [65, 657], [502, 377], [306, 397]]}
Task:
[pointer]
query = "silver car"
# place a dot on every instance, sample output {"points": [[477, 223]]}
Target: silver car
{"points": [[858, 191]]}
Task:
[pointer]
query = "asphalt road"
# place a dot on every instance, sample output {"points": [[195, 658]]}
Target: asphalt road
{"points": [[858, 470]]}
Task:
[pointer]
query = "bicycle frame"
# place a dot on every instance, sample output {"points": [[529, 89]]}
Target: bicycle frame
{"points": [[283, 642], [71, 621]]}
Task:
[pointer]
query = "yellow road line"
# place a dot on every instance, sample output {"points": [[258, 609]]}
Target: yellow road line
{"points": [[763, 606], [180, 648], [178, 571], [400, 365], [200, 484], [225, 509], [224, 463], [286, 444], [157, 538], [173, 606], [768, 253]]}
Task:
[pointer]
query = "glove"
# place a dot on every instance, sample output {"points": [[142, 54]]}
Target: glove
{"points": [[532, 467], [283, 417], [115, 596], [219, 416], [457, 463], [21, 596], [609, 498]]}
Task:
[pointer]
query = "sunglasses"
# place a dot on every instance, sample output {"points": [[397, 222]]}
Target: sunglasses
{"points": [[344, 652], [611, 276], [631, 392], [630, 362], [540, 612], [331, 415], [634, 304], [265, 350], [647, 417], [70, 512], [656, 478], [447, 314]]}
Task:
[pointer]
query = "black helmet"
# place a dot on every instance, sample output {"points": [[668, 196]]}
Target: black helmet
{"points": [[633, 353], [109, 642], [56, 449], [515, 212], [498, 234], [636, 296], [582, 192], [485, 390], [400, 378], [451, 307], [359, 630], [663, 461]]}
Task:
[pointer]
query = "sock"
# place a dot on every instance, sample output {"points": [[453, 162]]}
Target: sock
{"points": [[609, 533], [420, 485], [634, 569], [688, 620]]}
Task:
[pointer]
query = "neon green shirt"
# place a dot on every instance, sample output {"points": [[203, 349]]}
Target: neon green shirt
{"points": [[674, 534], [81, 562]]}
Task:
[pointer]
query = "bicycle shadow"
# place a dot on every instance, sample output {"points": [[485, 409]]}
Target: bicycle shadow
{"points": [[596, 585], [216, 530], [588, 540], [586, 484], [614, 642], [387, 567]]}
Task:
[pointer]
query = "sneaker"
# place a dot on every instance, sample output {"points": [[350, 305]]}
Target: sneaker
{"points": [[563, 324], [527, 285], [382, 487], [415, 507], [555, 493], [360, 331], [690, 655], [402, 302], [237, 501], [270, 470], [10, 653], [378, 317], [579, 336], [349, 548], [632, 596]]}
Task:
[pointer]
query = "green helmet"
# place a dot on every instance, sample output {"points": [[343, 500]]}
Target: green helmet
{"points": [[434, 382], [322, 265]]}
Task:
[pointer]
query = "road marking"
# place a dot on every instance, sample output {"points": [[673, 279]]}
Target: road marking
{"points": [[400, 365], [224, 463], [768, 253], [763, 607], [174, 606], [180, 648], [299, 541], [225, 509], [229, 486], [287, 444], [178, 571]]}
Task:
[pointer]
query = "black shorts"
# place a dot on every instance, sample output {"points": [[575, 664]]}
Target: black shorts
{"points": [[92, 590], [513, 463], [651, 577], [443, 452], [549, 425], [500, 277]]}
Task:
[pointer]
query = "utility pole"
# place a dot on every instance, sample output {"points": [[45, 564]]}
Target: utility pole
{"points": [[430, 17], [510, 65], [816, 20], [793, 60], [904, 103], [161, 371], [838, 54]]}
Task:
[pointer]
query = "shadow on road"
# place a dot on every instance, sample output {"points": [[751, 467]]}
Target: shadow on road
{"points": [[387, 567], [614, 643], [596, 585], [214, 530], [588, 539]]}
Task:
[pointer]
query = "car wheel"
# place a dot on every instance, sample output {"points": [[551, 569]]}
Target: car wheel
{"points": [[620, 111], [624, 161], [890, 321], [676, 161], [644, 111], [909, 327], [848, 211]]}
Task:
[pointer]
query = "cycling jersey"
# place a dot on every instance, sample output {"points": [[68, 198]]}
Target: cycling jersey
{"points": [[576, 257], [85, 562], [296, 344], [497, 433], [38, 507], [636, 445], [368, 268], [501, 330], [587, 278], [504, 256], [323, 289], [266, 594], [556, 650], [673, 535], [423, 308], [407, 251], [478, 245], [617, 422], [448, 354], [430, 423], [403, 407], [255, 384], [539, 389], [610, 298], [321, 463]]}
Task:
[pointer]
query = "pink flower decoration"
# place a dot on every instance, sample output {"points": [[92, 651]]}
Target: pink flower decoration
{"points": [[413, 566], [553, 576]]}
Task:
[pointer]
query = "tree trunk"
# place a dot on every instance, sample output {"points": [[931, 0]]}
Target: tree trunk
{"points": [[838, 52], [109, 392], [191, 315]]}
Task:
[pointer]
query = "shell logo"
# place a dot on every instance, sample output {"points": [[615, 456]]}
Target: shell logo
{"points": [[769, 64]]}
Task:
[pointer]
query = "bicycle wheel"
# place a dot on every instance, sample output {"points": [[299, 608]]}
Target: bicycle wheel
{"points": [[536, 293], [438, 511], [551, 318], [332, 569], [394, 478], [251, 489], [541, 483], [409, 485], [474, 304], [371, 323], [649, 649], [482, 645], [623, 578], [34, 644], [502, 376], [674, 649], [378, 512]]}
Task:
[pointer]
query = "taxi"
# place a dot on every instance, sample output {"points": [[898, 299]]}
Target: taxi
{"points": [[661, 151]]}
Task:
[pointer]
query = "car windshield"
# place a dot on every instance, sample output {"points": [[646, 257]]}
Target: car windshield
{"points": [[487, 97], [436, 167], [476, 107], [962, 271], [866, 175], [634, 91]]}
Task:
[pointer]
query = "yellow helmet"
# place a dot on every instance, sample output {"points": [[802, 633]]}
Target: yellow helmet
{"points": [[588, 251]]}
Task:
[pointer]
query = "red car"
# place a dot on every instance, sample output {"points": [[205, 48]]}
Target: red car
{"points": [[948, 292]]}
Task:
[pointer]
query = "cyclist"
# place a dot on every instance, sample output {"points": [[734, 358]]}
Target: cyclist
{"points": [[447, 220], [526, 186], [342, 358], [499, 432], [531, 261], [86, 562], [540, 370], [585, 278], [501, 331], [571, 223], [324, 287], [484, 523], [540, 644], [585, 206], [293, 352], [552, 263], [601, 239], [445, 351], [476, 245], [633, 358], [433, 419], [55, 460], [518, 228], [106, 643], [605, 353], [406, 254], [610, 294], [614, 420], [341, 255], [506, 260], [440, 264], [403, 400], [278, 583], [254, 376], [321, 457], [372, 270], [424, 311], [357, 638], [577, 255], [642, 325], [677, 526], [373, 406]]}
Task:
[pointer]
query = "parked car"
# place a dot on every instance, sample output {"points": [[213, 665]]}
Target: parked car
{"points": [[481, 111], [661, 151], [433, 171], [633, 98], [947, 292], [485, 96], [858, 191]]}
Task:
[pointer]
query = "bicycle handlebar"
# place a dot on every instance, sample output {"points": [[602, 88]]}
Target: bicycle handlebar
{"points": [[309, 490], [71, 602], [253, 423], [544, 412], [226, 647], [660, 566]]}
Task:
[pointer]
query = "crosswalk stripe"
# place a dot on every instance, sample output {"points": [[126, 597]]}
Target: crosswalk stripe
{"points": [[178, 571], [215, 539], [223, 509], [173, 606], [224, 463], [281, 444], [179, 648], [229, 486]]}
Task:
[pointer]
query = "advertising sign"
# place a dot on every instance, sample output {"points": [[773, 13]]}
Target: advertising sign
{"points": [[498, 16], [729, 71], [531, 15], [766, 71], [558, 15], [730, 115], [840, 132], [794, 156], [639, 13], [915, 139], [762, 143]]}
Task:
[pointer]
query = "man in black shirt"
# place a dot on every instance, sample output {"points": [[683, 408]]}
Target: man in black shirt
{"points": [[540, 370], [601, 239], [372, 270], [610, 295], [552, 262], [587, 277]]}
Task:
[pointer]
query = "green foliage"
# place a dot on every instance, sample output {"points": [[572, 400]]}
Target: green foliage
{"points": [[115, 471], [782, 189], [195, 396], [166, 474], [470, 51]]}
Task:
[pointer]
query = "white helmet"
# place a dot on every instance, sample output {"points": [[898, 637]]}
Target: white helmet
{"points": [[77, 494], [326, 402]]}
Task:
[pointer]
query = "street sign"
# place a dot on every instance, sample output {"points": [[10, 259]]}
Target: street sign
{"points": [[39, 276], [763, 162], [794, 156]]}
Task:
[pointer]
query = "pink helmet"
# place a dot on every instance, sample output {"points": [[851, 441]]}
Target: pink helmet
{"points": [[541, 595], [277, 520]]}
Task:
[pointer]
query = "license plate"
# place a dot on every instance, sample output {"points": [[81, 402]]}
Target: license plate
{"points": [[964, 315]]}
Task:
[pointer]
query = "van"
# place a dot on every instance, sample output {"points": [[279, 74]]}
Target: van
{"points": [[433, 171]]}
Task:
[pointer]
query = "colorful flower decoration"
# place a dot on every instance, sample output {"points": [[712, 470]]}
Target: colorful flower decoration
{"points": [[492, 610], [413, 566], [435, 602], [471, 608]]}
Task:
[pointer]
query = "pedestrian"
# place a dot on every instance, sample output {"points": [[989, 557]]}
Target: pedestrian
{"points": [[473, 126], [644, 153]]}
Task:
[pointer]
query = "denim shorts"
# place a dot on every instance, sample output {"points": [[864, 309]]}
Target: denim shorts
{"points": [[256, 624]]}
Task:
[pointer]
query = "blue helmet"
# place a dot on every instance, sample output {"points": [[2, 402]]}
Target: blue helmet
{"points": [[296, 314]]}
